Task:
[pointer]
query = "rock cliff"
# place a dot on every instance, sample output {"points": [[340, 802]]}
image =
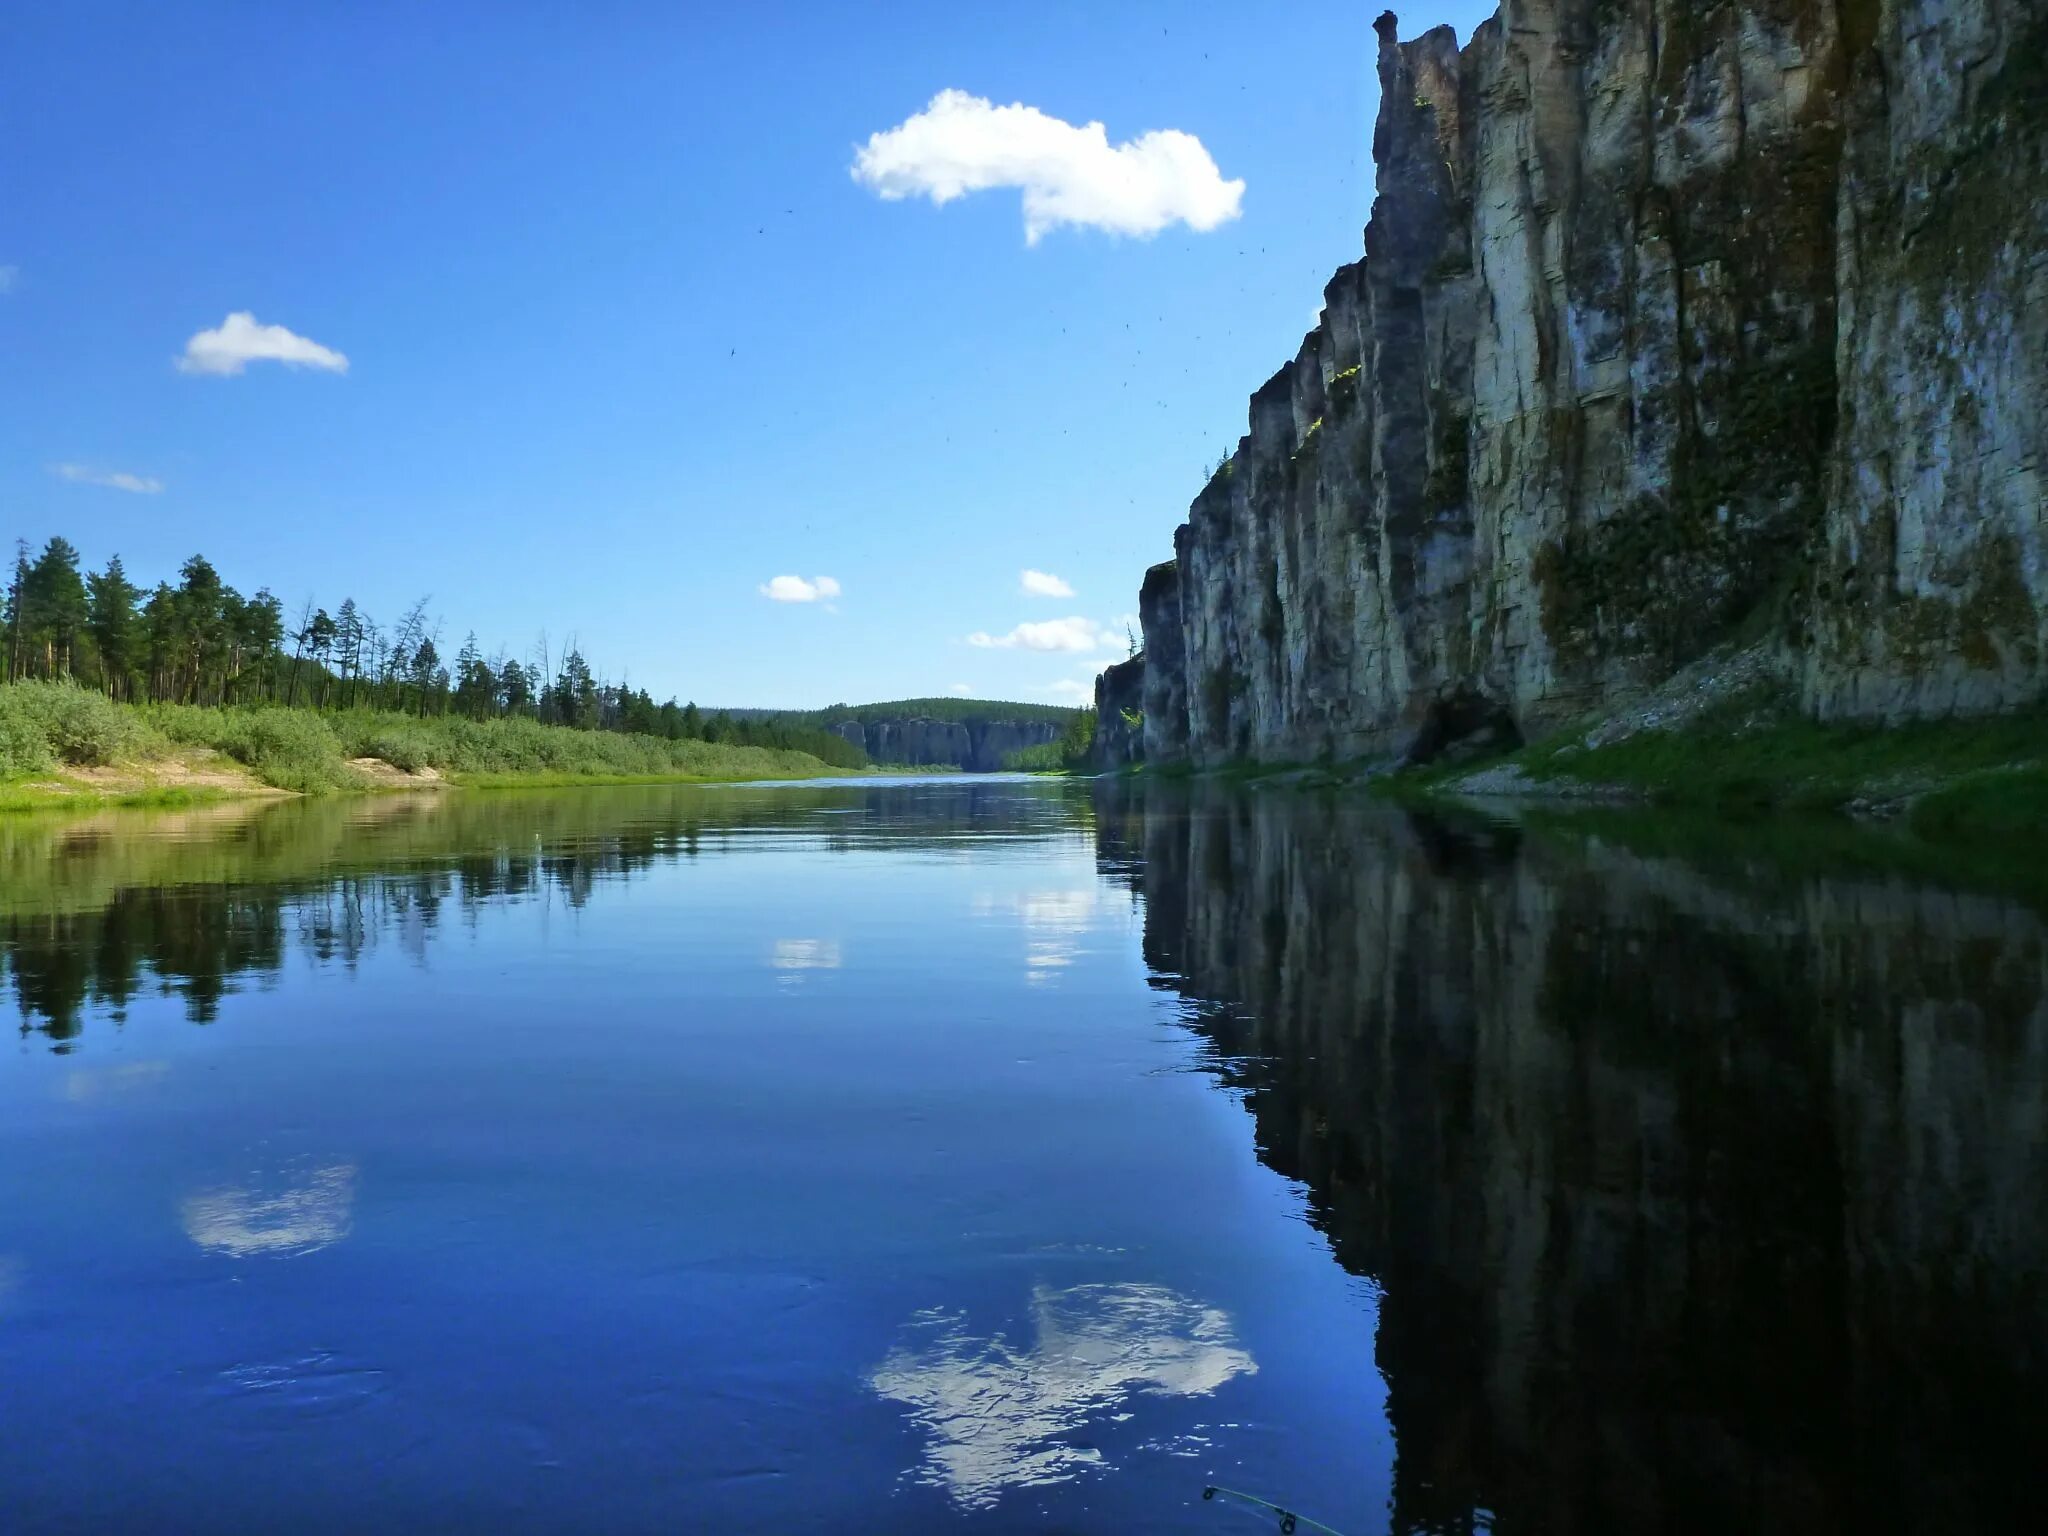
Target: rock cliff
{"points": [[1678, 326], [1119, 715], [975, 745]]}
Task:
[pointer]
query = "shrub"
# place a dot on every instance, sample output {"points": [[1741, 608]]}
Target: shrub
{"points": [[24, 749], [287, 748], [45, 724]]}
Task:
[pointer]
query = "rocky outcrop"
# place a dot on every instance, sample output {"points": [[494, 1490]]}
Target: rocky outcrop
{"points": [[975, 745], [1699, 1193], [1678, 326], [1164, 663], [1119, 716]]}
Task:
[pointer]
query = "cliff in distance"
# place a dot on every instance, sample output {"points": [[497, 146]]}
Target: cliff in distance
{"points": [[974, 735], [1680, 327]]}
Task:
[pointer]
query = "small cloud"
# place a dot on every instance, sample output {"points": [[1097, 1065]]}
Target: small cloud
{"points": [[960, 690], [1070, 688], [794, 589], [1075, 634], [112, 479], [1068, 175], [9, 276], [1043, 584], [239, 341]]}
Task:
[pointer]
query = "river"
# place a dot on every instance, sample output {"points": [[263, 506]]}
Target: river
{"points": [[990, 1154]]}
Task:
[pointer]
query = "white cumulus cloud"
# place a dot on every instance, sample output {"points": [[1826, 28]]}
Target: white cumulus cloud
{"points": [[1074, 634], [1071, 688], [960, 690], [112, 479], [1043, 584], [795, 589], [239, 341], [1068, 174]]}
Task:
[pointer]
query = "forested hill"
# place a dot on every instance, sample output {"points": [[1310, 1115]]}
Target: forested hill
{"points": [[977, 735], [957, 710]]}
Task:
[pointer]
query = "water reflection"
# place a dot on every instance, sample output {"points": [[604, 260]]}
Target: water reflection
{"points": [[1055, 924], [1704, 1180], [807, 955], [293, 1214], [1700, 1177], [85, 1085], [99, 912], [996, 1413]]}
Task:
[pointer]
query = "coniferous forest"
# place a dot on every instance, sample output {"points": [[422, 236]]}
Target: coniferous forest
{"points": [[196, 640]]}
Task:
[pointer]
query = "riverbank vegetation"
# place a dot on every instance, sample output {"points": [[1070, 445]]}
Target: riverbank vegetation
{"points": [[199, 643], [61, 742], [1982, 776], [1072, 753]]}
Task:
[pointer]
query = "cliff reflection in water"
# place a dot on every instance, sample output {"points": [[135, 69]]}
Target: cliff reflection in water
{"points": [[1699, 1200]]}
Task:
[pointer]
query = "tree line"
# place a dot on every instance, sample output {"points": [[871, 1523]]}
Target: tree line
{"points": [[199, 641]]}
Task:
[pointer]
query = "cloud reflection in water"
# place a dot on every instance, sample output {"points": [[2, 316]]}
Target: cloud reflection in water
{"points": [[300, 1218], [996, 1413], [807, 955]]}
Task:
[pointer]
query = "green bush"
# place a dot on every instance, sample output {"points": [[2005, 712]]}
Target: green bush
{"points": [[43, 725], [23, 747], [397, 740], [287, 748]]}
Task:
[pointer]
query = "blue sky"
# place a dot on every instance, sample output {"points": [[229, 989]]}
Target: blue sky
{"points": [[626, 340]]}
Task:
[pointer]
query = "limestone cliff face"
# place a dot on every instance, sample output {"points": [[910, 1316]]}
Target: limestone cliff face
{"points": [[1678, 325], [1933, 591], [975, 745]]}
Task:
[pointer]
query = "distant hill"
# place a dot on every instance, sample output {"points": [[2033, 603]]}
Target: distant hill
{"points": [[938, 709], [977, 735]]}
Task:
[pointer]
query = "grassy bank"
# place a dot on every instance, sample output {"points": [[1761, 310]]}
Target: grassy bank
{"points": [[59, 743], [1984, 777]]}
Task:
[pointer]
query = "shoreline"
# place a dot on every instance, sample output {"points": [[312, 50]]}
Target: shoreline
{"points": [[1984, 776], [142, 789]]}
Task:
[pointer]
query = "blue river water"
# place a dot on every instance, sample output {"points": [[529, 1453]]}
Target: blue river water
{"points": [[821, 1164], [992, 1155]]}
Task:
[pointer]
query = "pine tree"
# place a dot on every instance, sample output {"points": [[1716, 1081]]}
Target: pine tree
{"points": [[515, 691], [17, 617], [320, 640], [116, 628], [348, 647], [56, 601]]}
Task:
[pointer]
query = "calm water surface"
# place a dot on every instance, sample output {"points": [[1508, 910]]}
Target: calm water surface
{"points": [[1007, 1155]]}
